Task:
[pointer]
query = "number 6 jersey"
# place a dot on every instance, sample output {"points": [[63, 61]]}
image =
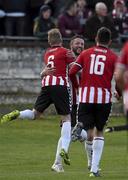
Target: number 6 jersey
{"points": [[59, 58], [97, 64]]}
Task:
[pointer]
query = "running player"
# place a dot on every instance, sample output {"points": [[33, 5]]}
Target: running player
{"points": [[121, 74]]}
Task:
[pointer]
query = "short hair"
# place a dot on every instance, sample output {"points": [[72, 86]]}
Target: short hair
{"points": [[69, 4], [100, 5], [54, 36], [44, 8], [77, 36], [103, 35]]}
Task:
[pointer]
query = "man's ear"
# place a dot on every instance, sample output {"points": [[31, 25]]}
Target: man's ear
{"points": [[110, 42], [96, 39]]}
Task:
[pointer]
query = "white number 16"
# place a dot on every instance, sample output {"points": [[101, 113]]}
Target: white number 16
{"points": [[97, 65]]}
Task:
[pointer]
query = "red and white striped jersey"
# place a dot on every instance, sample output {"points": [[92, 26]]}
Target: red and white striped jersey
{"points": [[97, 64], [123, 63], [58, 57]]}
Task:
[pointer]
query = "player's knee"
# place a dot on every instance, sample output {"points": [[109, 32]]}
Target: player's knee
{"points": [[36, 114], [90, 134], [98, 132], [66, 118]]}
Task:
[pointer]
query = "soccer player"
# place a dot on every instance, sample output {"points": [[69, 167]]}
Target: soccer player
{"points": [[121, 75], [54, 90], [97, 64], [76, 46]]}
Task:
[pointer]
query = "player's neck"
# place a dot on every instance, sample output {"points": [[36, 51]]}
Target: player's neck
{"points": [[56, 45], [102, 45]]}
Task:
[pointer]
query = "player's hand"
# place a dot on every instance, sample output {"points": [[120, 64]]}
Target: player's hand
{"points": [[116, 95], [70, 54], [47, 71]]}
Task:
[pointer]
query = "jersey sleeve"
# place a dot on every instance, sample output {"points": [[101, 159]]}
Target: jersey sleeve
{"points": [[79, 61], [73, 71], [70, 57]]}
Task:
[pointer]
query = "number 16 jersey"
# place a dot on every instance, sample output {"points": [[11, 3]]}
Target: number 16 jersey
{"points": [[98, 64]]}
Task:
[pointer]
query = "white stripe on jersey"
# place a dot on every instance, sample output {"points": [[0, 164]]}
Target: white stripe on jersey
{"points": [[61, 81], [91, 97], [54, 79], [94, 95], [80, 94], [78, 64], [107, 97], [84, 94], [99, 96], [47, 80]]}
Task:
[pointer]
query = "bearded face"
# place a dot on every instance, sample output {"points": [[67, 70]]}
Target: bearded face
{"points": [[77, 46]]}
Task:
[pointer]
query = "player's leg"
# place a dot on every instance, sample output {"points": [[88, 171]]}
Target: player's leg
{"points": [[65, 138], [85, 116], [116, 128], [57, 165], [78, 133], [42, 102], [88, 147], [61, 100], [97, 149], [74, 115], [102, 112]]}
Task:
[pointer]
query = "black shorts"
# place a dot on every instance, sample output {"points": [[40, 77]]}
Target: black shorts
{"points": [[57, 95], [74, 115], [93, 115]]}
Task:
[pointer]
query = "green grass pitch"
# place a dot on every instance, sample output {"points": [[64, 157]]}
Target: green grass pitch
{"points": [[27, 151]]}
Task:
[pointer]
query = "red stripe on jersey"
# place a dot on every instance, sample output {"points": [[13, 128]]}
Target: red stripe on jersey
{"points": [[50, 80], [57, 81], [103, 95], [96, 94], [88, 94]]}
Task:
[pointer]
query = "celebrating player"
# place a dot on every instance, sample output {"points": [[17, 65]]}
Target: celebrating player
{"points": [[76, 46], [121, 74], [97, 64], [54, 90]]}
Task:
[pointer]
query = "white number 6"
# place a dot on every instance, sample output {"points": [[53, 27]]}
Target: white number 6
{"points": [[50, 61]]}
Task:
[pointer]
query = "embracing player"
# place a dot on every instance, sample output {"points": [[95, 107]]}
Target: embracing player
{"points": [[54, 90], [76, 46], [97, 65]]}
